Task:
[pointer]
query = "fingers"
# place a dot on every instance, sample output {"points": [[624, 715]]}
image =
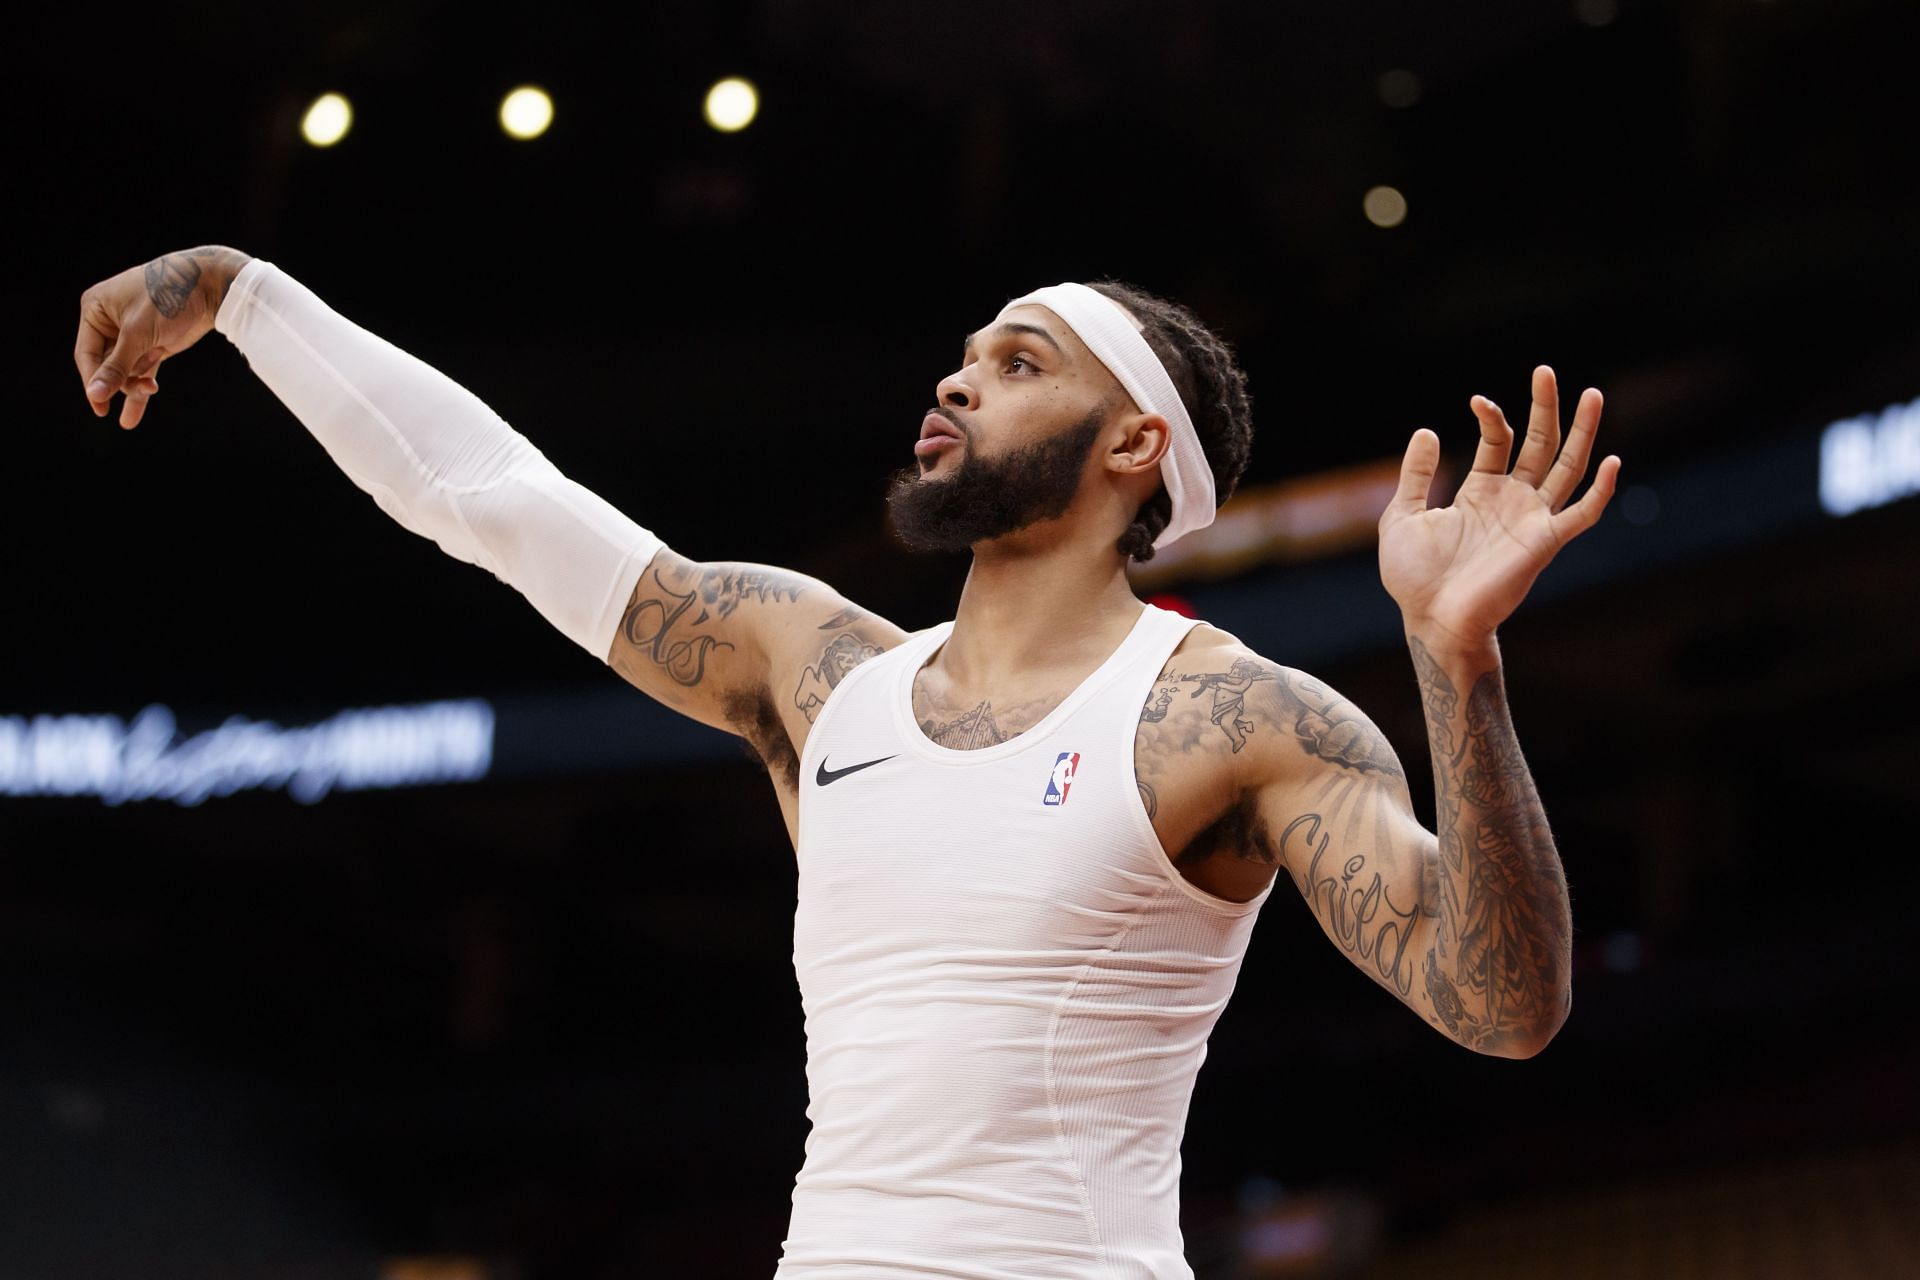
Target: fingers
{"points": [[123, 371], [138, 391], [1416, 475], [1564, 478], [1496, 437], [1582, 515], [89, 350], [1543, 429]]}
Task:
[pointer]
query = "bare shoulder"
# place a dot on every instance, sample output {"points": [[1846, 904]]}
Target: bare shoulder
{"points": [[1217, 697], [1235, 751], [753, 649]]}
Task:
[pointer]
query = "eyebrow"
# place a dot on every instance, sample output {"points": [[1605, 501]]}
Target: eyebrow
{"points": [[1014, 326]]}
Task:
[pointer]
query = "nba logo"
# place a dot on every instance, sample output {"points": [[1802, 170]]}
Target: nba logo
{"points": [[1060, 781]]}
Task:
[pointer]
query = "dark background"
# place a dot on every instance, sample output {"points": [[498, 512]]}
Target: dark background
{"points": [[548, 1024]]}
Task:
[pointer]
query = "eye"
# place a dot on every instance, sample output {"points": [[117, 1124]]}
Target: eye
{"points": [[1019, 360]]}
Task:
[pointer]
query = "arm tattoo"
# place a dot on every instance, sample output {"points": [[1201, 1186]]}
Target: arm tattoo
{"points": [[845, 618], [649, 622], [843, 653], [1332, 729], [1325, 725], [1230, 698], [657, 624], [1360, 913], [723, 589], [1498, 969]]}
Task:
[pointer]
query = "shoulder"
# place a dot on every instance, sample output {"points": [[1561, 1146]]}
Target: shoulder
{"points": [[1216, 694]]}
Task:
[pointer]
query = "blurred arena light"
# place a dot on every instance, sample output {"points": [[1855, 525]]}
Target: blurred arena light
{"points": [[1399, 88], [526, 112], [327, 120], [1385, 206], [1870, 460], [732, 104]]}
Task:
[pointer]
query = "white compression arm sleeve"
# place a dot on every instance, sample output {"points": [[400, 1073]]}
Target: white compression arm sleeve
{"points": [[437, 459]]}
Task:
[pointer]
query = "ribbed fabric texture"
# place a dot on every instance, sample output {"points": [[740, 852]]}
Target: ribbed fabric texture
{"points": [[1008, 989]]}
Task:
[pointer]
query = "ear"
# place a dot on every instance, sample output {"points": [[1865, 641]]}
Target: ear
{"points": [[1143, 442]]}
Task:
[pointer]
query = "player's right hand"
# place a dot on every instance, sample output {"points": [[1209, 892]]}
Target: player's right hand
{"points": [[131, 322]]}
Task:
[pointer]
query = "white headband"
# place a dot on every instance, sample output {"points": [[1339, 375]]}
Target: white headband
{"points": [[1108, 332]]}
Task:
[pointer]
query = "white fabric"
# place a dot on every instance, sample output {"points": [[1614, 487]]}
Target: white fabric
{"points": [[437, 459], [1007, 1000], [1103, 325]]}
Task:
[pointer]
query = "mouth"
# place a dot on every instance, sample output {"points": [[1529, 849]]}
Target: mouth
{"points": [[937, 434]]}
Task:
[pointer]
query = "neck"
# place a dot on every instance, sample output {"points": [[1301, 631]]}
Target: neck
{"points": [[1026, 611]]}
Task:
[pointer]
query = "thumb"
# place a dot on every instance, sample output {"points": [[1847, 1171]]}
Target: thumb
{"points": [[1417, 469], [118, 366]]}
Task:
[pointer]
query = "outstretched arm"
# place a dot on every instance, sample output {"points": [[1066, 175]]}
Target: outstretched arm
{"points": [[713, 641], [1469, 924]]}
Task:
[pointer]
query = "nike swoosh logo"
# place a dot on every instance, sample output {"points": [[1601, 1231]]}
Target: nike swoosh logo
{"points": [[825, 775]]}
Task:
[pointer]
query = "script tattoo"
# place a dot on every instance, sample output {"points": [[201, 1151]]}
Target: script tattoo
{"points": [[1359, 912], [649, 621], [1503, 942]]}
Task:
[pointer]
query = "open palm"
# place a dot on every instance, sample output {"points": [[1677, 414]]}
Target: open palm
{"points": [[1464, 568]]}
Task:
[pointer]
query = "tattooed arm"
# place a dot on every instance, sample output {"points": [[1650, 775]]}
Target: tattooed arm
{"points": [[1468, 924], [1469, 928], [747, 648]]}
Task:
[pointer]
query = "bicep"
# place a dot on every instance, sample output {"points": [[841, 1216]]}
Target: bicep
{"points": [[1336, 811], [740, 646]]}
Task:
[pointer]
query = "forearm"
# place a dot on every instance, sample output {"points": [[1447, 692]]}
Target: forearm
{"points": [[1500, 967], [432, 454]]}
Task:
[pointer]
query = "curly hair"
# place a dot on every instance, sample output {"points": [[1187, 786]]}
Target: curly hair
{"points": [[1210, 384]]}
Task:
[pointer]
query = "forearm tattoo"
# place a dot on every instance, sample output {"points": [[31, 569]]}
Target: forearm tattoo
{"points": [[1497, 972]]}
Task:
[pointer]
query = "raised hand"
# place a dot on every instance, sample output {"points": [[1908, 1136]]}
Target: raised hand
{"points": [[131, 322], [1462, 569]]}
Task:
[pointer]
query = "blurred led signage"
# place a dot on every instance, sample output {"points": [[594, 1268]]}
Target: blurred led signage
{"points": [[149, 759], [1870, 460]]}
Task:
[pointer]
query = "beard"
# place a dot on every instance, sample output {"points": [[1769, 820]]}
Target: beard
{"points": [[988, 498]]}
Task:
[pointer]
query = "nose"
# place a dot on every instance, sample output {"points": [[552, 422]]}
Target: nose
{"points": [[954, 392]]}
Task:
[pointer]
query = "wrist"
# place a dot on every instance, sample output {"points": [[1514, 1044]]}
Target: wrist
{"points": [[218, 266], [1453, 650]]}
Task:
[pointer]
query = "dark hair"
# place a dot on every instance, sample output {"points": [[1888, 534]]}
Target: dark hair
{"points": [[1210, 384]]}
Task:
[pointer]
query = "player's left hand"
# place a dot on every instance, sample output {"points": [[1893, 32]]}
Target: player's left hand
{"points": [[1462, 569]]}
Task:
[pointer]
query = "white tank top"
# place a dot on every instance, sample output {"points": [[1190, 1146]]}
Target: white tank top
{"points": [[1008, 988]]}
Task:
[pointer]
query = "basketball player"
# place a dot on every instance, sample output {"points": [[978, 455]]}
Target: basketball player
{"points": [[1032, 841]]}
